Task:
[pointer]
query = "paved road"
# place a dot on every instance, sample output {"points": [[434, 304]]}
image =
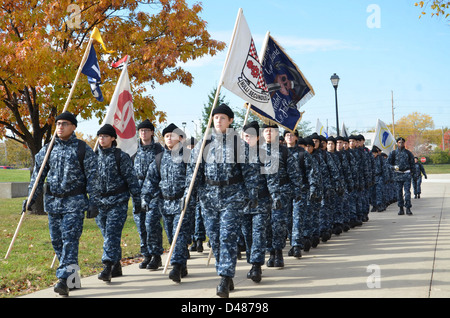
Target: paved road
{"points": [[390, 256]]}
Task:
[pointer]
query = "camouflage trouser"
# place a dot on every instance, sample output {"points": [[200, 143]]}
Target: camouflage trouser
{"points": [[277, 227], [254, 230], [111, 220], [312, 219], [153, 228], [171, 216], [403, 182], [223, 219], [65, 232], [299, 214], [139, 219], [377, 198], [338, 215], [417, 186], [346, 207], [199, 227]]}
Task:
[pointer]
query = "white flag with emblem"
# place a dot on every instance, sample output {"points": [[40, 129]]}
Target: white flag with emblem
{"points": [[383, 138], [121, 114], [242, 72]]}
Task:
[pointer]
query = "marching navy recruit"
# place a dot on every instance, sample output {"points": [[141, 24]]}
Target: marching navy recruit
{"points": [[148, 219], [166, 180], [116, 180], [225, 184], [71, 172], [403, 162]]}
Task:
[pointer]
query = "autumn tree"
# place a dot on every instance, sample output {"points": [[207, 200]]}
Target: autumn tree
{"points": [[438, 8], [42, 44]]}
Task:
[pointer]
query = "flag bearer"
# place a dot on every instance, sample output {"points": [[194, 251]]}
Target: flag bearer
{"points": [[71, 173], [226, 184]]}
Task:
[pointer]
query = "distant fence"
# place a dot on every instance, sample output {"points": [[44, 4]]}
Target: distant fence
{"points": [[10, 190]]}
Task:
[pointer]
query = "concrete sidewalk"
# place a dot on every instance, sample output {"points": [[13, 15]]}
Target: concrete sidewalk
{"points": [[390, 256]]}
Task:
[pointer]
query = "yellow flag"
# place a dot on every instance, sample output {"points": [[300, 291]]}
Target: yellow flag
{"points": [[97, 37]]}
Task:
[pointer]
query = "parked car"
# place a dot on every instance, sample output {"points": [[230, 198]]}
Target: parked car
{"points": [[6, 167]]}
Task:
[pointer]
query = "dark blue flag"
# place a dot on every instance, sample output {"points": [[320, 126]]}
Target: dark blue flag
{"points": [[286, 84], [92, 71]]}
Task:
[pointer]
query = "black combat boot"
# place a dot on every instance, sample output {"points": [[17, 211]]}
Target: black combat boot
{"points": [[194, 246], [306, 244], [61, 288], [297, 252], [225, 286], [255, 273], [279, 262], [145, 262], [155, 263], [271, 260], [175, 273], [116, 270], [200, 246], [106, 273], [315, 241], [408, 211], [401, 212]]}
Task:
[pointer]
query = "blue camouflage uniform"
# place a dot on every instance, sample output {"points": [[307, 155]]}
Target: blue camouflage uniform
{"points": [[361, 174], [403, 162], [337, 216], [417, 185], [278, 159], [306, 181], [377, 191], [370, 177], [350, 177], [166, 182], [318, 207], [224, 184], [255, 220], [116, 180], [328, 207], [65, 199], [148, 222]]}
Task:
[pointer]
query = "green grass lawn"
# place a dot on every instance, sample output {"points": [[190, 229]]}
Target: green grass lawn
{"points": [[27, 268], [14, 175]]}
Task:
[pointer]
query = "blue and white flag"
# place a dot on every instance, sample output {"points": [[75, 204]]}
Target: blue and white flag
{"points": [[288, 88], [92, 71], [320, 129], [383, 138]]}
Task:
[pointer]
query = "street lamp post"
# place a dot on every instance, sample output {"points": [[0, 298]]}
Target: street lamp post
{"points": [[335, 81]]}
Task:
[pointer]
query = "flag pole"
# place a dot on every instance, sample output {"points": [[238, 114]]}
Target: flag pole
{"points": [[200, 155], [33, 190], [261, 58]]}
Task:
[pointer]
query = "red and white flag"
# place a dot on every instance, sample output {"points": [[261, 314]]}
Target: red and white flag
{"points": [[121, 114], [242, 73]]}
